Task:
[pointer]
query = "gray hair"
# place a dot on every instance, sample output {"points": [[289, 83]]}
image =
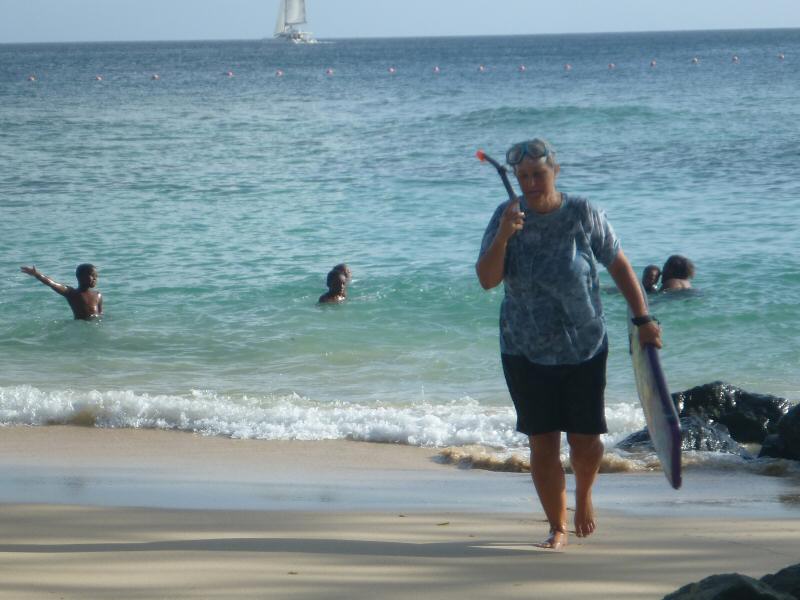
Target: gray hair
{"points": [[541, 148]]}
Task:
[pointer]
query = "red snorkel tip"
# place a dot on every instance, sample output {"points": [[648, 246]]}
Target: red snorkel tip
{"points": [[480, 155]]}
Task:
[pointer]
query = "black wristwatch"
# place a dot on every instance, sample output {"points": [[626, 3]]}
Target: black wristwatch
{"points": [[638, 321]]}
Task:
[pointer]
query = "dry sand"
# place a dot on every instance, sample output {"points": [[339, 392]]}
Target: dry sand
{"points": [[57, 549]]}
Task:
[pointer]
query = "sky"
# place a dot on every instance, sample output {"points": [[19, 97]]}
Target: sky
{"points": [[127, 20]]}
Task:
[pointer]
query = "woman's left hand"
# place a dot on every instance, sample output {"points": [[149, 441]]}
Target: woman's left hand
{"points": [[650, 333]]}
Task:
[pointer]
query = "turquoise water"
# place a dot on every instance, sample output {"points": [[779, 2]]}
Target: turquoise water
{"points": [[214, 206]]}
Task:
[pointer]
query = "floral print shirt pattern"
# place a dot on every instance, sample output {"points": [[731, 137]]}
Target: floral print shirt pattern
{"points": [[551, 312]]}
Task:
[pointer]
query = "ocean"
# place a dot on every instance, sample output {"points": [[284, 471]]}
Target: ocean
{"points": [[214, 205]]}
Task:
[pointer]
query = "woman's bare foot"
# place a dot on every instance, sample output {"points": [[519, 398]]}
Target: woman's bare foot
{"points": [[557, 540], [584, 516]]}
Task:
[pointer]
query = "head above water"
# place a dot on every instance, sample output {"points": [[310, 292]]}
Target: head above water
{"points": [[650, 276], [677, 267], [336, 281], [345, 270], [86, 274]]}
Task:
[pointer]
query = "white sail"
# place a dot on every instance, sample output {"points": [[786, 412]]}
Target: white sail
{"points": [[280, 26], [295, 12], [290, 14]]}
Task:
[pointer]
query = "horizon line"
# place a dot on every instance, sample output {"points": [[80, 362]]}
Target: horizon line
{"points": [[401, 37]]}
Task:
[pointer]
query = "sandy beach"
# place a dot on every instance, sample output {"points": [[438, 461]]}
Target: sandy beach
{"points": [[91, 513]]}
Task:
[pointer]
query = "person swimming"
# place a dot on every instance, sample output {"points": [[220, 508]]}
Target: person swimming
{"points": [[650, 277], [337, 281], [84, 301], [344, 269], [677, 273]]}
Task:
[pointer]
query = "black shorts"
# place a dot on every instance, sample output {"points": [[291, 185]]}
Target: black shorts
{"points": [[558, 397]]}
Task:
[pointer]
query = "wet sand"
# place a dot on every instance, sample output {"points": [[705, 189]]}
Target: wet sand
{"points": [[220, 518]]}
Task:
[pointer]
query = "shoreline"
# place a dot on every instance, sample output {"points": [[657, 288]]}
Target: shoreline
{"points": [[86, 466], [163, 514]]}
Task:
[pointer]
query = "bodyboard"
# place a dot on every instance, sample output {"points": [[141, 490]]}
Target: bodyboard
{"points": [[659, 410]]}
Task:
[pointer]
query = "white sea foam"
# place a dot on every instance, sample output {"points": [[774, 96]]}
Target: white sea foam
{"points": [[456, 423], [271, 417], [471, 434]]}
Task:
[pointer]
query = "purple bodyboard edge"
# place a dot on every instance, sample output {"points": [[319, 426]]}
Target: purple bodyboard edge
{"points": [[662, 417], [671, 414]]}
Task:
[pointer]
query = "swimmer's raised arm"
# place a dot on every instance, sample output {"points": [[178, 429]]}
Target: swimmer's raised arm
{"points": [[59, 288]]}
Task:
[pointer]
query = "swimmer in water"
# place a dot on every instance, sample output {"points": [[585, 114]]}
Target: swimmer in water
{"points": [[344, 270], [85, 302], [650, 277], [337, 287], [676, 273]]}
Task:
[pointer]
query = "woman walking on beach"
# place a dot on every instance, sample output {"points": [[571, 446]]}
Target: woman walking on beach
{"points": [[545, 248]]}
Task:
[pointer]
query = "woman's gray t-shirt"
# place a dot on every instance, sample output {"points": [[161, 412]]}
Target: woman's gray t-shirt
{"points": [[552, 313]]}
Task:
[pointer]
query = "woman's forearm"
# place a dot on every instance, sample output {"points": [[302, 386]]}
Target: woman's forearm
{"points": [[491, 266], [623, 275]]}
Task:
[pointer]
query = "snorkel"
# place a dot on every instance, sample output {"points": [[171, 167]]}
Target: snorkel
{"points": [[503, 172]]}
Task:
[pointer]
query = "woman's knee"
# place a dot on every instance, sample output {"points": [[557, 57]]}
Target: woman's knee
{"points": [[582, 443], [546, 444]]}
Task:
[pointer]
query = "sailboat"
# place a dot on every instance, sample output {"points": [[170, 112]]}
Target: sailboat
{"points": [[292, 13]]}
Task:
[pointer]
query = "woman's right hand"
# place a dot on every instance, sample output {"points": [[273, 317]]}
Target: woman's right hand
{"points": [[491, 264], [511, 221]]}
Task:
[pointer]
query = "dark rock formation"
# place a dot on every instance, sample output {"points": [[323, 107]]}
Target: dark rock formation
{"points": [[786, 581], [715, 416], [732, 586], [789, 430], [785, 443], [773, 447], [696, 434], [749, 417]]}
